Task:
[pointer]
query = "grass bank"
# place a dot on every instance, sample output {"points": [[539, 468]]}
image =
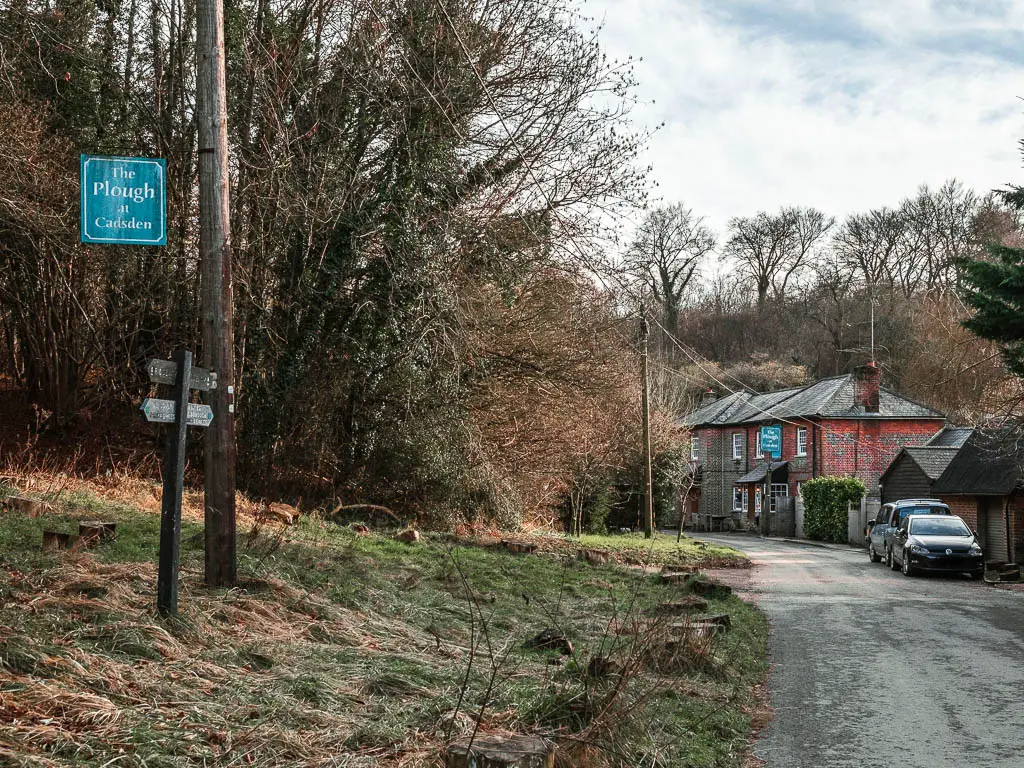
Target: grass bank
{"points": [[340, 649]]}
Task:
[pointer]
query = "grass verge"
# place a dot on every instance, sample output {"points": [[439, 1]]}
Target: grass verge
{"points": [[352, 650]]}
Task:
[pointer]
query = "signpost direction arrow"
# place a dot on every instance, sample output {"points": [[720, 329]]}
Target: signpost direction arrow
{"points": [[166, 372], [164, 412], [182, 377]]}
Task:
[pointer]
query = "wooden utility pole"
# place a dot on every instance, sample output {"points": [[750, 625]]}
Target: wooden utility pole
{"points": [[646, 407], [215, 259]]}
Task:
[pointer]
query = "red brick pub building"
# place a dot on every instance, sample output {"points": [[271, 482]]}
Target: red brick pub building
{"points": [[845, 425]]}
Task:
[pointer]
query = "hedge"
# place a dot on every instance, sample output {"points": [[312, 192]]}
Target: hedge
{"points": [[825, 506]]}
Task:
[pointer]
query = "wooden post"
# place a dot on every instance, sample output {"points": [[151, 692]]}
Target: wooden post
{"points": [[215, 259], [174, 480], [646, 406]]}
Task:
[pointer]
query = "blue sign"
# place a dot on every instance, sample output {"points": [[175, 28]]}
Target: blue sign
{"points": [[771, 441], [124, 200]]}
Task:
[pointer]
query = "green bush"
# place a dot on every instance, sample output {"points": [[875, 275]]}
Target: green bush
{"points": [[595, 506], [825, 506]]}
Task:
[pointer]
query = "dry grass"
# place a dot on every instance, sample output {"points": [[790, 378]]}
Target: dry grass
{"points": [[342, 650]]}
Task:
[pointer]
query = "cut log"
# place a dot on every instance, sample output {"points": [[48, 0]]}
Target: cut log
{"points": [[494, 751], [286, 513], [519, 547], [96, 531], [550, 640], [679, 575], [594, 556], [709, 588], [719, 620], [55, 541], [602, 666], [688, 603]]}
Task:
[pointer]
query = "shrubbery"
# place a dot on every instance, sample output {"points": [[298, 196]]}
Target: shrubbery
{"points": [[825, 506]]}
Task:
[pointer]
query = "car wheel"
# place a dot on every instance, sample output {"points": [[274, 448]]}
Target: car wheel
{"points": [[873, 556], [907, 569]]}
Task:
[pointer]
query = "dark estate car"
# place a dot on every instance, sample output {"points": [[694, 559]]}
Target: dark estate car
{"points": [[936, 543], [881, 529]]}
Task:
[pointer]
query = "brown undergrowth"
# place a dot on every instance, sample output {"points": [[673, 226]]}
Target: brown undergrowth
{"points": [[344, 649]]}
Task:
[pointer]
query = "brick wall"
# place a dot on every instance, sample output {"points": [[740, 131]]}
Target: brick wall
{"points": [[865, 447], [1017, 525], [965, 507], [840, 447], [720, 471]]}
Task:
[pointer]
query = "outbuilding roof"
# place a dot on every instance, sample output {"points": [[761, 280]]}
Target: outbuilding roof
{"points": [[989, 464], [932, 460], [829, 398], [950, 437]]}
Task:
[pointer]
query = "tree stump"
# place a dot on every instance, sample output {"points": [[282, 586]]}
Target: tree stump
{"points": [[688, 603], [494, 751], [519, 547], [55, 541], [285, 513], [594, 556], [96, 531], [680, 575]]}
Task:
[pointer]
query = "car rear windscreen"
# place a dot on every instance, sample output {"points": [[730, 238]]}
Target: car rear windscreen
{"points": [[934, 510]]}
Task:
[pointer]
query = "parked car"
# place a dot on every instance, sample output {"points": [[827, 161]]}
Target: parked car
{"points": [[936, 543], [881, 529]]}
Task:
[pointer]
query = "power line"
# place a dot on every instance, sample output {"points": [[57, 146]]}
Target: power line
{"points": [[841, 435], [554, 211]]}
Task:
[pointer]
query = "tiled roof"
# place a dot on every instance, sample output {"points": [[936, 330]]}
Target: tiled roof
{"points": [[950, 437], [932, 460], [989, 464], [832, 398]]}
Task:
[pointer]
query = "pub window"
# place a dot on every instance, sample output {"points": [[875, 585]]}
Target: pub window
{"points": [[801, 441]]}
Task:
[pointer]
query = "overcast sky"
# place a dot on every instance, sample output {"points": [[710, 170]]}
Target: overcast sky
{"points": [[839, 104]]}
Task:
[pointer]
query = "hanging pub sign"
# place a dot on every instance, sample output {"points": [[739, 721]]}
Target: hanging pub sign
{"points": [[124, 200]]}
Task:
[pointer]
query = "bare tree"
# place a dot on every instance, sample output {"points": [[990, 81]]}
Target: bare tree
{"points": [[868, 244], [666, 255], [771, 249], [939, 232]]}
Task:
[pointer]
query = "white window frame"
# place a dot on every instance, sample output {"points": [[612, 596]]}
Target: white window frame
{"points": [[746, 499], [737, 499], [778, 491], [757, 443], [737, 446], [801, 445], [693, 448]]}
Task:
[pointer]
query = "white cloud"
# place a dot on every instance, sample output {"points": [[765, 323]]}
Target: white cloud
{"points": [[771, 103]]}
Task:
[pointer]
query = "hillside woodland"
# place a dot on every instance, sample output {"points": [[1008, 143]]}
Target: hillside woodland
{"points": [[442, 239]]}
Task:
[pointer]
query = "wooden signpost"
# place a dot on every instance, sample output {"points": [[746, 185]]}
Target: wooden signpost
{"points": [[178, 411]]}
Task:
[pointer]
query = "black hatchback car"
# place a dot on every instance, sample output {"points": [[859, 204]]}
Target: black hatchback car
{"points": [[936, 543]]}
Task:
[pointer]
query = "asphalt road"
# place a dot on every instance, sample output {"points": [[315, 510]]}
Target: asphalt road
{"points": [[871, 668]]}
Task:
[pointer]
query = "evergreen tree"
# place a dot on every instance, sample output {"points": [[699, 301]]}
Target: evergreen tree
{"points": [[994, 288]]}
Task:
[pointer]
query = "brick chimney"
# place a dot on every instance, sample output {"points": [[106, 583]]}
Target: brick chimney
{"points": [[708, 397], [865, 387]]}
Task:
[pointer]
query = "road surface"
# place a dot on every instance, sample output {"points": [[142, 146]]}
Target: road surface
{"points": [[871, 668]]}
